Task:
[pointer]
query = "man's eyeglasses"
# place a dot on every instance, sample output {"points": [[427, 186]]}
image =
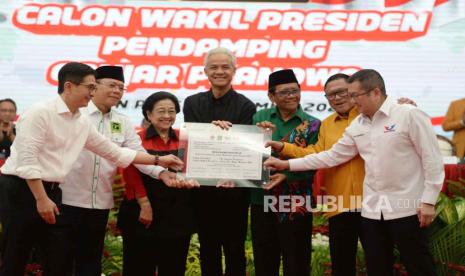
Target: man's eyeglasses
{"points": [[355, 96], [341, 94], [90, 86], [289, 93]]}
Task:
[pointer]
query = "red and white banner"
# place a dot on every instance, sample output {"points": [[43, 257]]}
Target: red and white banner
{"points": [[414, 44]]}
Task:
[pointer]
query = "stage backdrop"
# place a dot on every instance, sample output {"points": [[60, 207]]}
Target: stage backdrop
{"points": [[417, 45]]}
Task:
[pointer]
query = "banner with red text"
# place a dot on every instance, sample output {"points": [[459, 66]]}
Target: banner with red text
{"points": [[418, 46]]}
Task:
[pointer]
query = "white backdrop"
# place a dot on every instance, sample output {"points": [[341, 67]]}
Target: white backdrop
{"points": [[417, 45]]}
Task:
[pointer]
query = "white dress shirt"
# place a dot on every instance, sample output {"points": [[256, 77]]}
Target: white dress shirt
{"points": [[403, 163], [49, 139], [89, 184]]}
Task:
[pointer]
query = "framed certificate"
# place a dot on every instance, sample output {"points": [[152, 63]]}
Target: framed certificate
{"points": [[212, 154]]}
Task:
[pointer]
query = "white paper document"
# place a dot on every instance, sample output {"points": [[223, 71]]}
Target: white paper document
{"points": [[224, 155]]}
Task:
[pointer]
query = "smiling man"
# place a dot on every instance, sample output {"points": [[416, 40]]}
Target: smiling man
{"points": [[404, 174], [87, 190], [222, 214], [342, 182], [284, 233], [50, 137]]}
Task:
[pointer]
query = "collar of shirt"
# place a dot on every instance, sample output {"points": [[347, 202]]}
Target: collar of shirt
{"points": [[152, 133], [62, 108], [92, 109], [299, 113], [224, 98], [385, 109]]}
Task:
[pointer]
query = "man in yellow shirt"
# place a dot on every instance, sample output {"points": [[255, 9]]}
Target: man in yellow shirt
{"points": [[343, 183], [455, 120]]}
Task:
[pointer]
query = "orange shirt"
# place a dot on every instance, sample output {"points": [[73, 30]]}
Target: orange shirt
{"points": [[345, 180]]}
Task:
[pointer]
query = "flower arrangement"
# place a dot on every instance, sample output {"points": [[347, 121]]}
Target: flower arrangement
{"points": [[447, 241]]}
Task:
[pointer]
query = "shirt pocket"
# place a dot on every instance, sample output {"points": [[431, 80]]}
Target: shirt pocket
{"points": [[392, 140]]}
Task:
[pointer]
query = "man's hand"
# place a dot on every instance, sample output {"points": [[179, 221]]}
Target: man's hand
{"points": [[186, 183], [191, 183], [170, 180], [404, 100], [222, 124], [276, 164], [170, 161], [276, 146], [275, 180], [228, 184], [267, 125], [426, 214], [146, 214], [47, 209]]}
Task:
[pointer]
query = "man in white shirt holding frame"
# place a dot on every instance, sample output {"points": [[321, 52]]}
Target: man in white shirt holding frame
{"points": [[50, 137], [87, 189], [404, 174]]}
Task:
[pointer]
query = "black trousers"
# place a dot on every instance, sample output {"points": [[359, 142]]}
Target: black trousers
{"points": [[85, 234], [272, 239], [145, 252], [344, 232], [23, 228], [145, 255], [379, 238], [222, 225]]}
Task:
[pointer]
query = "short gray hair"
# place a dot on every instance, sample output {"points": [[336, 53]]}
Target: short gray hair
{"points": [[220, 50]]}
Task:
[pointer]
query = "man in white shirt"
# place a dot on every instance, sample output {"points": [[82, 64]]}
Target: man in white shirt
{"points": [[87, 189], [404, 174], [50, 137]]}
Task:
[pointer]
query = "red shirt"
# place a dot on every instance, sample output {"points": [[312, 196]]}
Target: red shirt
{"points": [[155, 145]]}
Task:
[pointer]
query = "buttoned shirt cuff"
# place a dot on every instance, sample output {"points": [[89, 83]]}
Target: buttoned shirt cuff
{"points": [[127, 156], [156, 171], [430, 196], [150, 170]]}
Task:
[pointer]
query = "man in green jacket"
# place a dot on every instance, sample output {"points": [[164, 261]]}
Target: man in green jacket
{"points": [[279, 229]]}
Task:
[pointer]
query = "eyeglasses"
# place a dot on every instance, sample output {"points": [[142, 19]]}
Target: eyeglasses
{"points": [[8, 110], [289, 93], [354, 96], [341, 94], [90, 86], [114, 86]]}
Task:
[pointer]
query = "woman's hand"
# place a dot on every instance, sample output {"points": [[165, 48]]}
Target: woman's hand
{"points": [[146, 214]]}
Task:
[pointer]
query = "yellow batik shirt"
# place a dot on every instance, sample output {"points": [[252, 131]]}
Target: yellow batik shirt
{"points": [[343, 181]]}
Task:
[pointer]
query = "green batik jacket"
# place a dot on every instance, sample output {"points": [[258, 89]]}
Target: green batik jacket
{"points": [[302, 129]]}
